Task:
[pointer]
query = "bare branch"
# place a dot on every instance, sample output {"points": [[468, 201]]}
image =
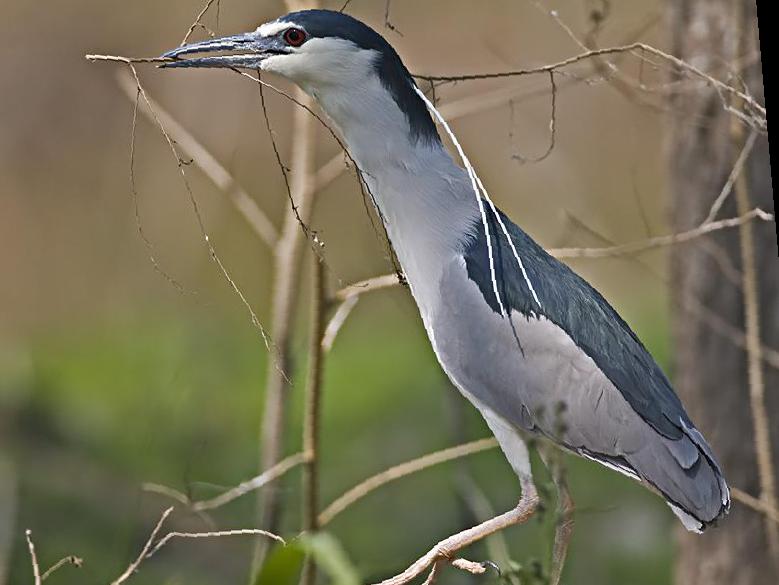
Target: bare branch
{"points": [[444, 551], [366, 286], [661, 241], [287, 269], [751, 301], [755, 117], [144, 551], [756, 504], [128, 60], [36, 569], [69, 560], [312, 414], [198, 216], [168, 492], [197, 22], [734, 175], [380, 479], [215, 534], [266, 477], [336, 322]]}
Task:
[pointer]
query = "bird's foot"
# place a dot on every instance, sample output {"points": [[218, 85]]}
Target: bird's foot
{"points": [[445, 558]]}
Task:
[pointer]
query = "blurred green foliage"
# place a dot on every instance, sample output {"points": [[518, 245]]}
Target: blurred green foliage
{"points": [[97, 413]]}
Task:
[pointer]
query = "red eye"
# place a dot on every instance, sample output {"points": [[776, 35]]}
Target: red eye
{"points": [[294, 37]]}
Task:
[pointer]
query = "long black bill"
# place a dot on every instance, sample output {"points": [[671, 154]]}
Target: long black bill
{"points": [[252, 48]]}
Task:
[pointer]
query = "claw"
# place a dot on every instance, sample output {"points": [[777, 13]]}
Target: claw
{"points": [[493, 566]]}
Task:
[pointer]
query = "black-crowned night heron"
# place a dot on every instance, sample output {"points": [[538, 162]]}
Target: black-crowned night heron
{"points": [[531, 344]]}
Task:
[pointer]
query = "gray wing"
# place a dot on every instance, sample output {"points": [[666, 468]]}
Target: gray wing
{"points": [[533, 373]]}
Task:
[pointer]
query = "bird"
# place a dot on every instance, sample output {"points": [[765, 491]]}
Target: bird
{"points": [[531, 344]]}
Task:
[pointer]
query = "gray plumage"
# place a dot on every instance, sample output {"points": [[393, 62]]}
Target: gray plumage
{"points": [[564, 364]]}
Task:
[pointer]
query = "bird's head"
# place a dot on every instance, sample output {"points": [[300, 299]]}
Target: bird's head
{"points": [[330, 55]]}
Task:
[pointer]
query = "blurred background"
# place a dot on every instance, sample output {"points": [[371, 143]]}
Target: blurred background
{"points": [[111, 376]]}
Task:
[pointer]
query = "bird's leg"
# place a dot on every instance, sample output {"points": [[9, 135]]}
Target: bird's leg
{"points": [[443, 552], [564, 516]]}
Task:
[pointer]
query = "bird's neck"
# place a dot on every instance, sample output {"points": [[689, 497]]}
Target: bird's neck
{"points": [[423, 197]]}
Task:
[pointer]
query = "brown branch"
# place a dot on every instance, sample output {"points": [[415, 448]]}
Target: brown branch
{"points": [[398, 471]]}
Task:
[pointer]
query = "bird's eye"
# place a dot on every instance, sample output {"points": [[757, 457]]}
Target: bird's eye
{"points": [[294, 37]]}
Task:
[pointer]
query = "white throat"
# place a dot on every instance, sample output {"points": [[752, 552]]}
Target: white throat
{"points": [[424, 198]]}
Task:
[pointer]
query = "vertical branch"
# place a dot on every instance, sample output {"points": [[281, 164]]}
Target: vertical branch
{"points": [[287, 259], [757, 401], [286, 270], [313, 403]]}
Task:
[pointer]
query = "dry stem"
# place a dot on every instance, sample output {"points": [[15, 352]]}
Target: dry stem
{"points": [[312, 411], [389, 475], [36, 569]]}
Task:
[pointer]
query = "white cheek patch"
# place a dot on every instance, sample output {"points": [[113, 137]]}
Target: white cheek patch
{"points": [[270, 29], [319, 61]]}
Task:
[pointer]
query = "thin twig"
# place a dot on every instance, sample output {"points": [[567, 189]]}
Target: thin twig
{"points": [[36, 569], [288, 254], [735, 173], [265, 478], [756, 504], [128, 60], [755, 118], [751, 300], [144, 551], [168, 492], [198, 216], [661, 241], [69, 560], [398, 471], [215, 534], [197, 22], [213, 169], [366, 286]]}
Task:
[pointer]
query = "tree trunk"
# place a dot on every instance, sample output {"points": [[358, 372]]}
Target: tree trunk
{"points": [[711, 367]]}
